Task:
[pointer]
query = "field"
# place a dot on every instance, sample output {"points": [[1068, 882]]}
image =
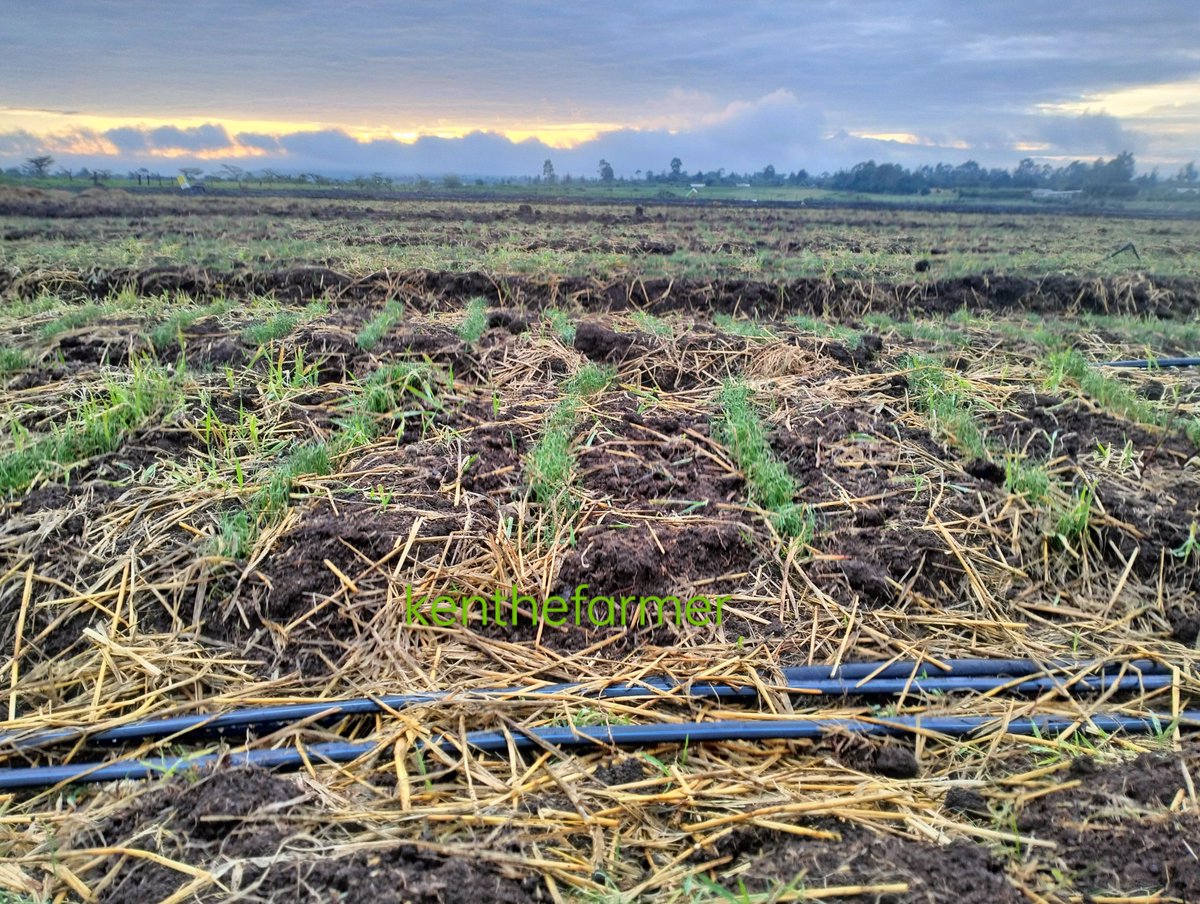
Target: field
{"points": [[239, 435]]}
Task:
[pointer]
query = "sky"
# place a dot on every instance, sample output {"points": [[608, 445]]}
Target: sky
{"points": [[495, 87]]}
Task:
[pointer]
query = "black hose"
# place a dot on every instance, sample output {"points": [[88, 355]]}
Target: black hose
{"points": [[853, 679], [1152, 362], [566, 737]]}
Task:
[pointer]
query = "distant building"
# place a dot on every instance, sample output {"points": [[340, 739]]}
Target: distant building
{"points": [[696, 185], [1049, 194]]}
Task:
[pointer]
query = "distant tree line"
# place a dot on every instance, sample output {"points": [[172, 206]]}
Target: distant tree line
{"points": [[1102, 178]]}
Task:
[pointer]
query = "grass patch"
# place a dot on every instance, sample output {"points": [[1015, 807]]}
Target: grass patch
{"points": [[1073, 521], [1025, 478], [815, 326], [550, 463], [380, 325], [648, 323], [273, 328], [71, 320], [103, 423], [172, 328], [749, 329], [561, 324], [947, 399], [1113, 395], [772, 487], [474, 322], [12, 360]]}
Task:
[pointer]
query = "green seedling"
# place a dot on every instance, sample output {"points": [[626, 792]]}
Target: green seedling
{"points": [[474, 322], [272, 329], [772, 487], [748, 329], [1190, 548], [12, 360], [561, 324]]}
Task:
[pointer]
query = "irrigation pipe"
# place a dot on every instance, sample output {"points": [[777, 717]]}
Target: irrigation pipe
{"points": [[568, 737], [855, 679], [1152, 362]]}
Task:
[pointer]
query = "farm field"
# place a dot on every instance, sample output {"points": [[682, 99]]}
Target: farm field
{"points": [[239, 436]]}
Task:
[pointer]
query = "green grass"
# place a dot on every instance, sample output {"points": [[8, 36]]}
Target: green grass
{"points": [[1113, 395], [590, 379], [749, 329], [1190, 548], [12, 360], [273, 328], [561, 324], [815, 326], [71, 320], [1074, 520], [648, 323], [398, 391], [739, 428], [474, 322], [380, 325], [1025, 478], [102, 424], [936, 330], [235, 536], [947, 399], [550, 464], [172, 328]]}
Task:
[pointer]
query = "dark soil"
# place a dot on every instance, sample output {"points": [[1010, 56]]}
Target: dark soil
{"points": [[959, 873], [1165, 297], [240, 813], [655, 461], [1114, 833]]}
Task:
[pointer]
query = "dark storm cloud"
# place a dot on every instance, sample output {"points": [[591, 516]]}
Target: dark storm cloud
{"points": [[947, 72]]}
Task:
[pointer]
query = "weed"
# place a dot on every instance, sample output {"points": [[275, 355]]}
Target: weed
{"points": [[235, 535], [550, 463], [806, 323], [589, 380], [103, 422], [172, 328], [71, 320], [1108, 392], [285, 377], [271, 329]]}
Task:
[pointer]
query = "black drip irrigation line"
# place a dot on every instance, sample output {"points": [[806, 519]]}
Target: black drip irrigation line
{"points": [[1019, 676], [1152, 362], [853, 679], [568, 737]]}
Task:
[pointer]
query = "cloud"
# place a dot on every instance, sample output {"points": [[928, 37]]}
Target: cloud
{"points": [[778, 129], [132, 140], [1089, 134], [941, 70]]}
